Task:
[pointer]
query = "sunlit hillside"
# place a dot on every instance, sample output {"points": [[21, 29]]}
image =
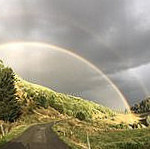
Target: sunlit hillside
{"points": [[24, 104]]}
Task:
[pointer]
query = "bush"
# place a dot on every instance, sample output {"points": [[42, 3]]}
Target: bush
{"points": [[42, 101], [81, 116], [9, 107]]}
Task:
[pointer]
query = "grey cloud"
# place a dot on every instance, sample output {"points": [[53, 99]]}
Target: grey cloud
{"points": [[113, 35], [61, 72]]}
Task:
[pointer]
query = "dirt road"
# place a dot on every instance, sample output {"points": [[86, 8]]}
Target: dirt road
{"points": [[37, 137]]}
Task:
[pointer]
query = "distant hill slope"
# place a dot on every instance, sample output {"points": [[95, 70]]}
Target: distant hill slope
{"points": [[34, 96], [31, 97], [142, 107]]}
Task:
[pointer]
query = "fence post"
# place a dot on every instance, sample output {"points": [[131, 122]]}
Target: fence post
{"points": [[2, 130], [88, 142]]}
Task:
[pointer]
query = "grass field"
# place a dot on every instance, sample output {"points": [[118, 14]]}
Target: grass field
{"points": [[102, 136]]}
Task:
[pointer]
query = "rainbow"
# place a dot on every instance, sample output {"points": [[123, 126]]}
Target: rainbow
{"points": [[59, 49]]}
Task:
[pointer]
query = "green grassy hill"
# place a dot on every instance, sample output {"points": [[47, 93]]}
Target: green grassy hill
{"points": [[31, 97]]}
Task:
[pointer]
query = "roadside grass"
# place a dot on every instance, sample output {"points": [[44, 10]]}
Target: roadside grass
{"points": [[13, 134], [126, 139], [102, 136]]}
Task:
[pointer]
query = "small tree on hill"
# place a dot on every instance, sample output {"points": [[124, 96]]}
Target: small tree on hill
{"points": [[9, 107]]}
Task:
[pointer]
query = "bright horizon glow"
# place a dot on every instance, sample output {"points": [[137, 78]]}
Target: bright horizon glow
{"points": [[13, 44]]}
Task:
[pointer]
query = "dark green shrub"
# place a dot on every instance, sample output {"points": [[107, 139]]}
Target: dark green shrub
{"points": [[42, 101], [81, 116], [52, 101], [9, 107]]}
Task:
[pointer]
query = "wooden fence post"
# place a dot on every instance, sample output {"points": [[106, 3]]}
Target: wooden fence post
{"points": [[88, 142], [2, 130]]}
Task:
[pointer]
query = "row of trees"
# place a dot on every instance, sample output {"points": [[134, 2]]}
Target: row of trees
{"points": [[142, 107]]}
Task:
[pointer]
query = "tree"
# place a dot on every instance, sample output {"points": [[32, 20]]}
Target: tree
{"points": [[9, 106]]}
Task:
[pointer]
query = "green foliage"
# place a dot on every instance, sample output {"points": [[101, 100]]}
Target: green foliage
{"points": [[65, 104], [99, 139], [81, 116], [142, 107], [9, 107], [16, 132], [42, 101]]}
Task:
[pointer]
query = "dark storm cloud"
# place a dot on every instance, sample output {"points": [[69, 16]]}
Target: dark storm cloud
{"points": [[134, 82], [114, 35], [105, 32]]}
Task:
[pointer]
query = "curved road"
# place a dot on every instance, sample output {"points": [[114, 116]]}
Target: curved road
{"points": [[37, 137]]}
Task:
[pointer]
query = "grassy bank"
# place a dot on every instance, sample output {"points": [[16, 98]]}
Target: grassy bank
{"points": [[14, 133], [102, 135]]}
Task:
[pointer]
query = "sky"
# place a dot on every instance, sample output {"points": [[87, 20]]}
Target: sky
{"points": [[113, 35], [62, 71]]}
